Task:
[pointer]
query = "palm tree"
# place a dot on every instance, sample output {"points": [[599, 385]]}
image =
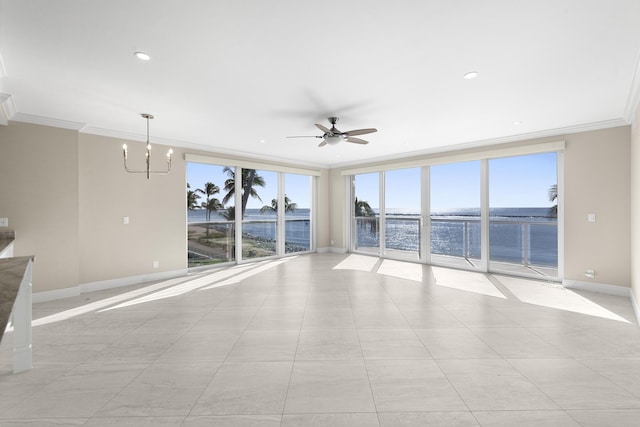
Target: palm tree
{"points": [[250, 179], [288, 206], [362, 208], [553, 196], [211, 205], [192, 199], [229, 214]]}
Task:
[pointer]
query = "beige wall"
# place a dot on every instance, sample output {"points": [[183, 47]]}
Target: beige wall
{"points": [[39, 195], [322, 214], [338, 213], [597, 180], [156, 209], [635, 207], [597, 177]]}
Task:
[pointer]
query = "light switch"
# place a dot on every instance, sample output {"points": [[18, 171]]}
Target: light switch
{"points": [[125, 220], [591, 217]]}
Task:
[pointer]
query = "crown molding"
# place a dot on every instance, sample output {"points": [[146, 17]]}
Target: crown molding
{"points": [[587, 127], [7, 108], [83, 128], [46, 121], [214, 150]]}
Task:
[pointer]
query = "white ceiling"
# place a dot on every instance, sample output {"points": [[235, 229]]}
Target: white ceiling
{"points": [[238, 76]]}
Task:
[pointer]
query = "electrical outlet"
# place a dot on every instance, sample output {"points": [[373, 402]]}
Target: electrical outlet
{"points": [[4, 222], [590, 274], [125, 220], [155, 264]]}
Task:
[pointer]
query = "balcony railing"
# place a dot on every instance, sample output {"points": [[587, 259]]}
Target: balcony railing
{"points": [[210, 242], [214, 241], [513, 241]]}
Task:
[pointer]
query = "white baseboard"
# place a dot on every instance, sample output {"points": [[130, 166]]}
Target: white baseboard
{"points": [[55, 295], [104, 284], [132, 280], [335, 250], [602, 288], [323, 250]]}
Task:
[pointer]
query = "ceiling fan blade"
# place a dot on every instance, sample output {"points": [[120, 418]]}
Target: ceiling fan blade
{"points": [[356, 140], [323, 128], [361, 131], [304, 136], [323, 143]]}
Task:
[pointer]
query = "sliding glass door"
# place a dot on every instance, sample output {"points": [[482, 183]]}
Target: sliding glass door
{"points": [[237, 214], [402, 213], [259, 207], [365, 214], [523, 230], [210, 215], [494, 214], [298, 190], [455, 205]]}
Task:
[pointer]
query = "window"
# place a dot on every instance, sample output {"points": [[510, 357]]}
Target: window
{"points": [[402, 213], [366, 208], [455, 214], [297, 213], [523, 216], [495, 212], [210, 222], [271, 215], [259, 201]]}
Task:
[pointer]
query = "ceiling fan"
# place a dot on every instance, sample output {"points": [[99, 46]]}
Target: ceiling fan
{"points": [[333, 136]]}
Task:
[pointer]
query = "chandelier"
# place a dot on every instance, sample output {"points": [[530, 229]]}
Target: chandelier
{"points": [[148, 170]]}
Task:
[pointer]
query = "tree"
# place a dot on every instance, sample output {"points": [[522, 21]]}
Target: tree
{"points": [[553, 196], [362, 208], [192, 199], [211, 205], [250, 179], [229, 214], [288, 206]]}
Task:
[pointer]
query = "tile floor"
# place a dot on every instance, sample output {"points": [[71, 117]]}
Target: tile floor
{"points": [[328, 340]]}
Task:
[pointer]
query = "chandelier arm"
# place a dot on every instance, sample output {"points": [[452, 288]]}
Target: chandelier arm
{"points": [[148, 170]]}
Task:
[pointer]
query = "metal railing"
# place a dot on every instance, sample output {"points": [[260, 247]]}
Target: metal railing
{"points": [[214, 241], [210, 242], [512, 241]]}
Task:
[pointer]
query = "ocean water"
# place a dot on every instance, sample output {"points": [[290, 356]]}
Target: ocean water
{"points": [[263, 225], [514, 233]]}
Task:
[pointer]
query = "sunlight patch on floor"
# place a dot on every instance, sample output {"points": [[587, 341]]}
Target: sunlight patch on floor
{"points": [[165, 289], [224, 277], [555, 296], [401, 270], [357, 262], [95, 306], [235, 279], [468, 281]]}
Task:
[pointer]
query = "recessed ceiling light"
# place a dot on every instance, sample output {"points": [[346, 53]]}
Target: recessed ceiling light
{"points": [[471, 75], [143, 56], [517, 122]]}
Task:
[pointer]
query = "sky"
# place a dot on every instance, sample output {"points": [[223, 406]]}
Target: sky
{"points": [[297, 187], [522, 181]]}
